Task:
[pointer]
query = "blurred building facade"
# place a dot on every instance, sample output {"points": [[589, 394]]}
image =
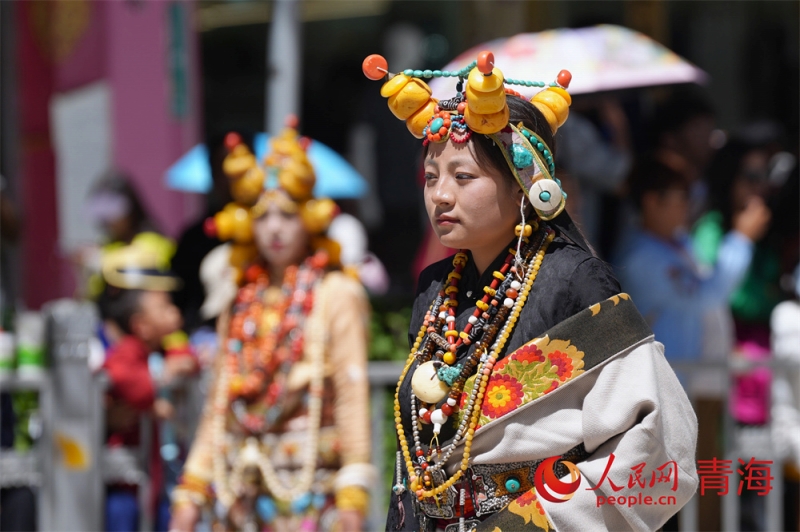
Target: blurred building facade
{"points": [[92, 86]]}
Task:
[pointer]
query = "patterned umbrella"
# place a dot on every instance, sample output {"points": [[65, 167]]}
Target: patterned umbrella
{"points": [[601, 58]]}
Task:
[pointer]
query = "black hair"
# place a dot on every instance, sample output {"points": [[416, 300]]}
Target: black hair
{"points": [[120, 183], [519, 110], [649, 175], [119, 305], [726, 168]]}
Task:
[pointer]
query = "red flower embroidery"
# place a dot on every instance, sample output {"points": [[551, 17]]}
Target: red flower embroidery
{"points": [[529, 354], [553, 386], [500, 364], [462, 400], [503, 394], [527, 498], [563, 364]]}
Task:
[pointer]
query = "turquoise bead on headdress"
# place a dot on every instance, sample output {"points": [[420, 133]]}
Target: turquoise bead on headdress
{"points": [[521, 156]]}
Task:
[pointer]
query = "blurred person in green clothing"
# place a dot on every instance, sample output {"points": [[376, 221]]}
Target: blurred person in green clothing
{"points": [[739, 177]]}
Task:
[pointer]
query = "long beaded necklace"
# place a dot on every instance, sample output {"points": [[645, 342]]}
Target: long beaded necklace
{"points": [[275, 359], [497, 312]]}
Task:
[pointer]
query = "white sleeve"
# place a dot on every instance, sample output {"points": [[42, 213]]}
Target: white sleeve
{"points": [[637, 410]]}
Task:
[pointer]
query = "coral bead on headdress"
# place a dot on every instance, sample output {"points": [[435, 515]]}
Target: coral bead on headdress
{"points": [[480, 106]]}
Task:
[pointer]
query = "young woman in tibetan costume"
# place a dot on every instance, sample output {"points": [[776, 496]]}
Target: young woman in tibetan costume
{"points": [[284, 440], [535, 396]]}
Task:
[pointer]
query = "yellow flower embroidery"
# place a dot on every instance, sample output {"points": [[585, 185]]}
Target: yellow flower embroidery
{"points": [[527, 506]]}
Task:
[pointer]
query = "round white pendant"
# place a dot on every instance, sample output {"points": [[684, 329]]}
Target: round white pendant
{"points": [[546, 197], [426, 384]]}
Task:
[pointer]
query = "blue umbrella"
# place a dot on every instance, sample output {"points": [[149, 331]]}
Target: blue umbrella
{"points": [[336, 178], [191, 173]]}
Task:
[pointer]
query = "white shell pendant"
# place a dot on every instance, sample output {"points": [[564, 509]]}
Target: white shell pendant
{"points": [[547, 198], [426, 384]]}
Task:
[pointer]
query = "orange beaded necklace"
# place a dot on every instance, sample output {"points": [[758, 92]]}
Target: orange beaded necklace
{"points": [[500, 316]]}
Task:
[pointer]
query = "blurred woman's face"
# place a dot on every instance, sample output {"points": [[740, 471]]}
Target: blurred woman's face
{"points": [[469, 206], [119, 229], [280, 236], [752, 179]]}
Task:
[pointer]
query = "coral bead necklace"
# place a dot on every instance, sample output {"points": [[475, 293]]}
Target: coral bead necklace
{"points": [[488, 328], [264, 342]]}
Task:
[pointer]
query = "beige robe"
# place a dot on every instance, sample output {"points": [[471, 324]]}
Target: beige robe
{"points": [[345, 421]]}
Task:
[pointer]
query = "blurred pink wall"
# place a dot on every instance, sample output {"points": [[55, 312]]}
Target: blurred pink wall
{"points": [[128, 45], [148, 138]]}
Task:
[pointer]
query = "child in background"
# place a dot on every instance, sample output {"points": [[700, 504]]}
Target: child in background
{"points": [[660, 271], [662, 275], [137, 301]]}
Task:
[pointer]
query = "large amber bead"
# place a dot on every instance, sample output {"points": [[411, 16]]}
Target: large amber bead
{"points": [[409, 99], [417, 122], [486, 103], [483, 83], [486, 124], [248, 188], [393, 86], [556, 103]]}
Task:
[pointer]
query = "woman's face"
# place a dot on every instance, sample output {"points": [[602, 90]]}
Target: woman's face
{"points": [[469, 206], [281, 237]]}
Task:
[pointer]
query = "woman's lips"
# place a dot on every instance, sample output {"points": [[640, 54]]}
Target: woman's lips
{"points": [[446, 220], [276, 246]]}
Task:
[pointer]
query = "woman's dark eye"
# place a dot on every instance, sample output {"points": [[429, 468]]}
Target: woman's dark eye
{"points": [[464, 176], [429, 176]]}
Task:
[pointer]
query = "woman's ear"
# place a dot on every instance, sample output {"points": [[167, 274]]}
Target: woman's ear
{"points": [[518, 195]]}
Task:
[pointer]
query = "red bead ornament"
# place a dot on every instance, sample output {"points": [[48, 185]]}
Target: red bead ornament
{"points": [[210, 227], [232, 140], [486, 62], [564, 78], [375, 67]]}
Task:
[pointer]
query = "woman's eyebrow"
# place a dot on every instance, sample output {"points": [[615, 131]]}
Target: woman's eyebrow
{"points": [[457, 162]]}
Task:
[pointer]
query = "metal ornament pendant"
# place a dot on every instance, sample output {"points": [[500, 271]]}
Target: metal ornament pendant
{"points": [[426, 384], [443, 505]]}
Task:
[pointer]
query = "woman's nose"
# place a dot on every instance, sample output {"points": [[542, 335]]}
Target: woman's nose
{"points": [[442, 192]]}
